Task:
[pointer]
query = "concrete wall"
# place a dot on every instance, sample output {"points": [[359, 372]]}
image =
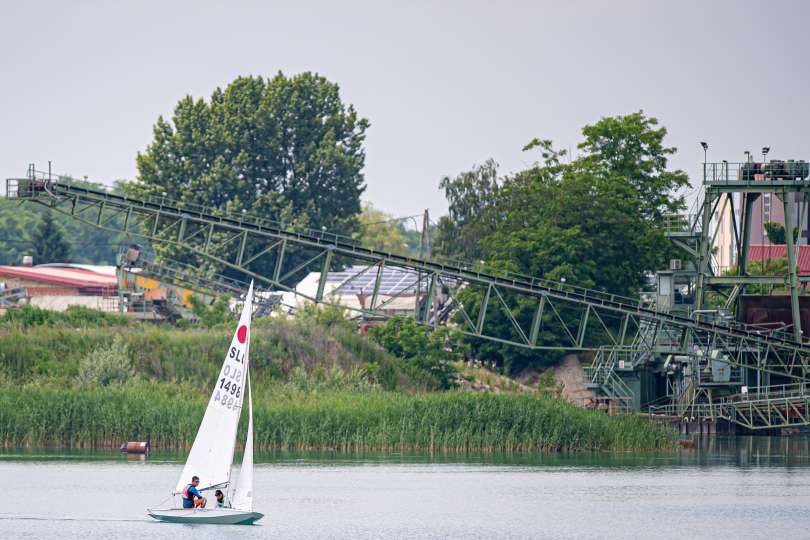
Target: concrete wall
{"points": [[61, 303]]}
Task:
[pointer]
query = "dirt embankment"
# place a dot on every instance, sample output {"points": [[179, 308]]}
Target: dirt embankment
{"points": [[568, 378], [570, 373]]}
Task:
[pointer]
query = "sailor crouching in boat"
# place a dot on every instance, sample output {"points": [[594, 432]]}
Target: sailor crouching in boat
{"points": [[192, 497], [220, 498]]}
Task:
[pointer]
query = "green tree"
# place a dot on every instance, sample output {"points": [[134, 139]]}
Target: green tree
{"points": [[595, 221], [631, 148], [15, 221], [48, 241], [776, 232], [284, 148], [380, 231], [470, 195]]}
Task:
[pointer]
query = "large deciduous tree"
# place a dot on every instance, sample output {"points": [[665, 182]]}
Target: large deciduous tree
{"points": [[284, 148]]}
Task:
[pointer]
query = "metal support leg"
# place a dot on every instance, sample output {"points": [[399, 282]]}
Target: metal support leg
{"points": [[376, 294], [745, 233], [119, 274], [482, 313], [242, 246], [537, 321], [327, 261], [279, 260], [208, 237], [583, 325], [431, 292], [793, 275], [704, 250]]}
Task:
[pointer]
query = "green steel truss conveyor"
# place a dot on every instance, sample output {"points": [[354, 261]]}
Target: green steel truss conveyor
{"points": [[581, 319]]}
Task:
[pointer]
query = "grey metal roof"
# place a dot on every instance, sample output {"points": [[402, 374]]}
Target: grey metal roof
{"points": [[360, 280]]}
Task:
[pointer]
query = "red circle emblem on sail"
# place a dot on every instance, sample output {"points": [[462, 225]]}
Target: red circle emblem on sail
{"points": [[241, 333]]}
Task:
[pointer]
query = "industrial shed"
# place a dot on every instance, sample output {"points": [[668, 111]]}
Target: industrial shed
{"points": [[57, 286]]}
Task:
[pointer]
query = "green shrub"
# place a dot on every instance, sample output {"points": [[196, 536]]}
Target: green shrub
{"points": [[217, 313], [429, 351], [547, 384], [75, 316], [328, 316], [106, 364], [356, 379]]}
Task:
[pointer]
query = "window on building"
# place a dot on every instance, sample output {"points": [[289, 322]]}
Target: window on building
{"points": [[766, 206]]}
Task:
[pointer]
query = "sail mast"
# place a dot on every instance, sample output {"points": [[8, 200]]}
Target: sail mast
{"points": [[243, 498], [211, 454]]}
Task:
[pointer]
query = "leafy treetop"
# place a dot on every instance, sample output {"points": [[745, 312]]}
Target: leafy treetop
{"points": [[284, 148]]}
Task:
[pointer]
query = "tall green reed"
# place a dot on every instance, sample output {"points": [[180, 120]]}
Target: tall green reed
{"points": [[289, 419]]}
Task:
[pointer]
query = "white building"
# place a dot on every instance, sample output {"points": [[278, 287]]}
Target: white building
{"points": [[354, 288]]}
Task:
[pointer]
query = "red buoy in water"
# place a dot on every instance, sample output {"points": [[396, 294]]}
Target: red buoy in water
{"points": [[135, 447]]}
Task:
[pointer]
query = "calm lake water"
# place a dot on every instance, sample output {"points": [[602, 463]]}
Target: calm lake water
{"points": [[757, 487]]}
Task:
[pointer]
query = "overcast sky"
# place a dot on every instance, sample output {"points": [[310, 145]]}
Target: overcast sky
{"points": [[445, 84]]}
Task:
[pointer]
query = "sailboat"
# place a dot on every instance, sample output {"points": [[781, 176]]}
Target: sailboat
{"points": [[211, 455]]}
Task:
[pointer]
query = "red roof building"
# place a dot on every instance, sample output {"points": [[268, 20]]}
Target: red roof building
{"points": [[759, 252], [58, 280]]}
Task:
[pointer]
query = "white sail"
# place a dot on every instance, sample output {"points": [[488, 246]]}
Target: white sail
{"points": [[243, 498], [212, 452]]}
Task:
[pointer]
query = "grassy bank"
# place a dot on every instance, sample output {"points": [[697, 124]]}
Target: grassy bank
{"points": [[289, 419], [279, 349], [84, 379]]}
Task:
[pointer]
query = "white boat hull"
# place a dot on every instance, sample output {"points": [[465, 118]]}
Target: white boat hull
{"points": [[210, 516]]}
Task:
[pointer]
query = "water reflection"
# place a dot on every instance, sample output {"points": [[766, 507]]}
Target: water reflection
{"points": [[791, 451], [724, 489], [740, 451]]}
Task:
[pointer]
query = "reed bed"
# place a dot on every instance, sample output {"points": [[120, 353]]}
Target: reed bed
{"points": [[285, 419]]}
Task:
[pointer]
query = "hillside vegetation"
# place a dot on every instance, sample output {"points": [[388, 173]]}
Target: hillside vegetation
{"points": [[42, 346], [86, 379]]}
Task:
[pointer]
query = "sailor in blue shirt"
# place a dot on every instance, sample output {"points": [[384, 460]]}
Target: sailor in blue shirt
{"points": [[191, 496]]}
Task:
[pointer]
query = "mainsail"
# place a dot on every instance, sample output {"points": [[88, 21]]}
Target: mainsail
{"points": [[212, 452], [243, 498]]}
